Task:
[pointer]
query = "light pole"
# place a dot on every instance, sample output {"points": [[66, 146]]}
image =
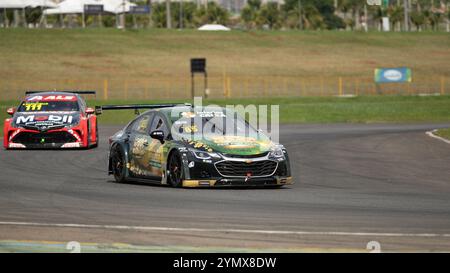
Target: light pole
{"points": [[406, 14], [366, 27], [168, 15], [123, 15], [300, 20], [181, 14]]}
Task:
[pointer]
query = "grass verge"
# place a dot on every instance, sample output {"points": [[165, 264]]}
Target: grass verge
{"points": [[367, 109], [109, 53], [445, 133]]}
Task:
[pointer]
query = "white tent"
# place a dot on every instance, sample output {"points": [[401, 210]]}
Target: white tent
{"points": [[77, 6], [71, 7], [117, 6], [41, 3], [20, 4], [13, 4], [214, 27]]}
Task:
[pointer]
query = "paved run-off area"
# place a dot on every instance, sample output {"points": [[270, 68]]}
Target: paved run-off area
{"points": [[353, 184]]}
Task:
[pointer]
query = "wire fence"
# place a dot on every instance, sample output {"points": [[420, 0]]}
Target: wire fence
{"points": [[225, 86]]}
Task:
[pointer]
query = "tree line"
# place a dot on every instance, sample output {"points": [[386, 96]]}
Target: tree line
{"points": [[292, 14]]}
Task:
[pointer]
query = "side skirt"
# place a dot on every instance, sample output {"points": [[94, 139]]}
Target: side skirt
{"points": [[153, 181]]}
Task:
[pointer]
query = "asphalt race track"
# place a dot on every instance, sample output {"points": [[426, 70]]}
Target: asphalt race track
{"points": [[353, 184]]}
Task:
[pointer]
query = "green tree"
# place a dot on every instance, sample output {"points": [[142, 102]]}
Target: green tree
{"points": [[269, 15], [213, 14], [186, 14], [249, 13], [313, 18], [433, 19], [316, 14], [395, 15], [353, 7], [418, 19], [33, 15], [377, 13], [159, 15]]}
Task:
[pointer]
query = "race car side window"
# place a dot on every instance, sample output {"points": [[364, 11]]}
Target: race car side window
{"points": [[159, 124], [130, 126], [141, 124], [82, 105]]}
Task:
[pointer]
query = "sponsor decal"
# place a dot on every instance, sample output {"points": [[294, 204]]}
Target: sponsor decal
{"points": [[71, 145], [387, 75], [44, 121], [392, 75], [72, 132], [51, 98], [32, 118], [14, 134], [231, 144], [188, 129], [199, 145], [203, 114], [248, 176], [16, 145], [34, 106]]}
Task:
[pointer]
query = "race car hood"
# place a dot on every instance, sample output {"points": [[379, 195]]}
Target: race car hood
{"points": [[44, 121], [236, 145]]}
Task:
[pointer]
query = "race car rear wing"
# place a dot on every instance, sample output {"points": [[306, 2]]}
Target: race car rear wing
{"points": [[64, 91], [135, 107]]}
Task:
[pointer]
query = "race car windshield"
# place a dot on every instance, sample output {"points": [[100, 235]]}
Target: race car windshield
{"points": [[48, 106], [218, 123]]}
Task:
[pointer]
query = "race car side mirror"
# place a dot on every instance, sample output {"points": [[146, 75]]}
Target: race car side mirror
{"points": [[98, 110], [90, 111], [159, 135], [11, 111]]}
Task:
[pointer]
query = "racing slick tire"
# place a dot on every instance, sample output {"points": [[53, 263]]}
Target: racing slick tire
{"points": [[175, 176], [118, 164]]}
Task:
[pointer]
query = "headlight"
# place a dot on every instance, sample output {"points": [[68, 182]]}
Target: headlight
{"points": [[205, 155], [277, 152]]}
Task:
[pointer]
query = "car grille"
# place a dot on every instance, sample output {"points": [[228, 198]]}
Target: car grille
{"points": [[244, 169], [36, 138], [246, 156]]}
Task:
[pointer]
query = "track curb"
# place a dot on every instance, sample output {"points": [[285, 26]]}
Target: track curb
{"points": [[431, 134]]}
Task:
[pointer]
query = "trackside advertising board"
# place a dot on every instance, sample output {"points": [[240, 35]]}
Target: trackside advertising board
{"points": [[140, 9], [93, 9], [387, 75]]}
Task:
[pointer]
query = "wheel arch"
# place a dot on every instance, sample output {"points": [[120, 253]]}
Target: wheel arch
{"points": [[166, 165], [121, 146], [6, 128]]}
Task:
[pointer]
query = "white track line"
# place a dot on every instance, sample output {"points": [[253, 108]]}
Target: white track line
{"points": [[254, 231], [431, 134]]}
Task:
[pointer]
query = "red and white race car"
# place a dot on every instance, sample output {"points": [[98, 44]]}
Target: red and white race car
{"points": [[57, 119]]}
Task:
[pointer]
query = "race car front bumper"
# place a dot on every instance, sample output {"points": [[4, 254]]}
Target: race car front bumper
{"points": [[239, 182], [236, 171], [52, 139], [68, 145]]}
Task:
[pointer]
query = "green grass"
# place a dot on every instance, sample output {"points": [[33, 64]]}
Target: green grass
{"points": [[52, 54], [364, 109], [445, 133], [33, 58], [160, 51], [367, 109]]}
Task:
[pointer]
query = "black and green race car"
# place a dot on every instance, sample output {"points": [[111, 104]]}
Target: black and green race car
{"points": [[182, 147]]}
